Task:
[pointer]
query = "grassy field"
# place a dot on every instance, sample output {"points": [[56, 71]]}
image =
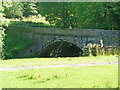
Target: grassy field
{"points": [[102, 76], [56, 61]]}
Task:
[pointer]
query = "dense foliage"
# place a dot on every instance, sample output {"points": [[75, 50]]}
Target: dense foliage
{"points": [[3, 22], [14, 10], [16, 41], [19, 9], [29, 8], [93, 15], [82, 15]]}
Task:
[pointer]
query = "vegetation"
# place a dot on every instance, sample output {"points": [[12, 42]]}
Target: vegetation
{"points": [[19, 9], [14, 45], [82, 15], [29, 24], [30, 8], [91, 15], [57, 61], [15, 9], [3, 22], [23, 15], [33, 19], [102, 76]]}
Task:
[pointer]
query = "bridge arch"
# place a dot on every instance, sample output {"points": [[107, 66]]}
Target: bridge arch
{"points": [[46, 37], [61, 48]]}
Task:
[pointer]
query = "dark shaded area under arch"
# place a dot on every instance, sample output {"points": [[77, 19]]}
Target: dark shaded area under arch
{"points": [[61, 49]]}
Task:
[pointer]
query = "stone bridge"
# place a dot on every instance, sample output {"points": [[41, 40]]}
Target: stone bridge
{"points": [[48, 38]]}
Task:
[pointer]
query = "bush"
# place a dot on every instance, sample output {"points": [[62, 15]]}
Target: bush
{"points": [[1, 42]]}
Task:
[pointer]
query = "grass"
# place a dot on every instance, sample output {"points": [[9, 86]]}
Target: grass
{"points": [[16, 40], [35, 19], [101, 76], [56, 61], [31, 21], [29, 24]]}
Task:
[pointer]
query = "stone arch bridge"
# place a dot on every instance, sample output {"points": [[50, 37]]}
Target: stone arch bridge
{"points": [[49, 37]]}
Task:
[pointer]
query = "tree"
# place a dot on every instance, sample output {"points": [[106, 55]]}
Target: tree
{"points": [[103, 19], [13, 9], [114, 10], [59, 13], [30, 8], [1, 29], [3, 22], [90, 15]]}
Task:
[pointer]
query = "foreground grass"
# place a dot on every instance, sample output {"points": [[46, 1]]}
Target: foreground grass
{"points": [[56, 61], [102, 76]]}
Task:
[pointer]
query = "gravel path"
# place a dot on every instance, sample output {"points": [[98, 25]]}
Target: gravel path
{"points": [[53, 66]]}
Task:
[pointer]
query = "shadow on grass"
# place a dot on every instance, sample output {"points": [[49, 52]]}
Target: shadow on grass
{"points": [[30, 24]]}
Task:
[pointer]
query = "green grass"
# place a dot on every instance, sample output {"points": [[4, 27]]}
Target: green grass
{"points": [[101, 76], [31, 21], [16, 40], [35, 19], [56, 61], [29, 24]]}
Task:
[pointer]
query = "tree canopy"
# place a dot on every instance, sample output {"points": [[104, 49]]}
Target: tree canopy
{"points": [[96, 15], [29, 8], [88, 15], [3, 22], [13, 9]]}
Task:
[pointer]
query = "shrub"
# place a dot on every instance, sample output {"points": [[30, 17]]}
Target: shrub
{"points": [[1, 43]]}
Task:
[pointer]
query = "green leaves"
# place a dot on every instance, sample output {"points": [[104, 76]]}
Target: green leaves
{"points": [[85, 15], [19, 9], [14, 11], [4, 22], [29, 8]]}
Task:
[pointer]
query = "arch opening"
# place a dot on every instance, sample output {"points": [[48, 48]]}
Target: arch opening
{"points": [[61, 49]]}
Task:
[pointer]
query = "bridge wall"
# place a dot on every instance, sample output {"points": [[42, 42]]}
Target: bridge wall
{"points": [[45, 36]]}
